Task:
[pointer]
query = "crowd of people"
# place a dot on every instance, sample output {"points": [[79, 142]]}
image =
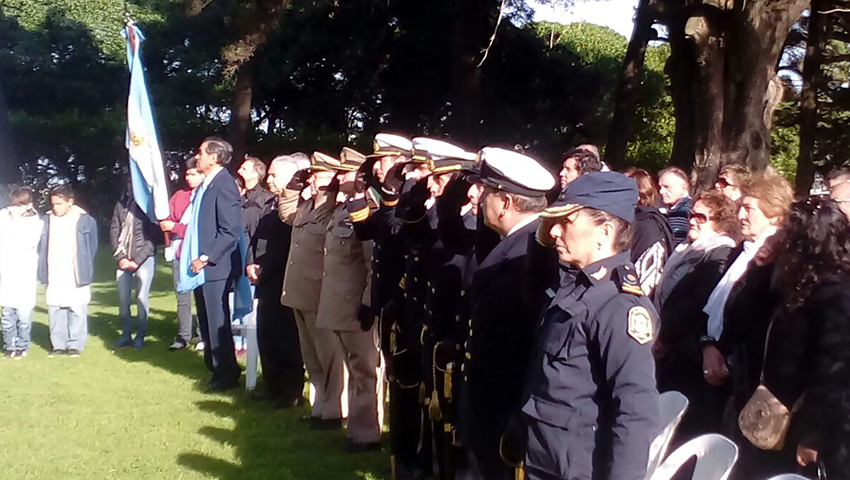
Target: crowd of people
{"points": [[520, 327]]}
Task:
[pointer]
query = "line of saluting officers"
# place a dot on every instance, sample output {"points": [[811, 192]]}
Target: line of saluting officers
{"points": [[513, 335]]}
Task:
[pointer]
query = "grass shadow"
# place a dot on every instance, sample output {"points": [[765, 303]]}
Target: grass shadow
{"points": [[293, 443], [268, 443]]}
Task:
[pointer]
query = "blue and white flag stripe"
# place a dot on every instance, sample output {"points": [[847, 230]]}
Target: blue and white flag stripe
{"points": [[150, 188]]}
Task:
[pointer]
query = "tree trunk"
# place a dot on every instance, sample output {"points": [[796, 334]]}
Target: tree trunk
{"points": [[627, 90], [9, 163], [809, 96], [240, 117], [680, 69], [723, 79]]}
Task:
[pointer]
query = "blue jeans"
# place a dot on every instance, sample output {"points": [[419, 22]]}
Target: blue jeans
{"points": [[142, 278], [16, 324], [69, 328]]}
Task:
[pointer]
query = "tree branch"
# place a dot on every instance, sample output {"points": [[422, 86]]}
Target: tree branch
{"points": [[495, 31]]}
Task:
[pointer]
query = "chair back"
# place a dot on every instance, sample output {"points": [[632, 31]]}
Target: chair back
{"points": [[671, 408], [715, 454]]}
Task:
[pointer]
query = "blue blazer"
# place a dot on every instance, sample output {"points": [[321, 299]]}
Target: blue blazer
{"points": [[220, 226]]}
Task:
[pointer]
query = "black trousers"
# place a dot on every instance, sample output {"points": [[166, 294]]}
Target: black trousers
{"points": [[405, 425], [213, 306], [280, 351]]}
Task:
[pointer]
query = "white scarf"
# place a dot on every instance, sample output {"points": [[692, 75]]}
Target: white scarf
{"points": [[717, 301]]}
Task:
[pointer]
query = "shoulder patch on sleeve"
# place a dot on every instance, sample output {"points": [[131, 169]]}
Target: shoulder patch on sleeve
{"points": [[640, 325]]}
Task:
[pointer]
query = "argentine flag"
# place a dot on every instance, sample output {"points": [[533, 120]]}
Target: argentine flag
{"points": [[149, 185]]}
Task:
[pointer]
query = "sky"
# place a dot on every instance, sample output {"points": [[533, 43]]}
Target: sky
{"points": [[616, 14]]}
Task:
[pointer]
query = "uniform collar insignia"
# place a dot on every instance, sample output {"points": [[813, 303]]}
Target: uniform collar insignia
{"points": [[600, 274]]}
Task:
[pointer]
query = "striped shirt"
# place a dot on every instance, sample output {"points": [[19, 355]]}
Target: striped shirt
{"points": [[678, 215]]}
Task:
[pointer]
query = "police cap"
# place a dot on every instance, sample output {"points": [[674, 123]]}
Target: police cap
{"points": [[610, 192]]}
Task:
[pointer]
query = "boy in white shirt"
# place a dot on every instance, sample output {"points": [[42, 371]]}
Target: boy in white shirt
{"points": [[20, 232]]}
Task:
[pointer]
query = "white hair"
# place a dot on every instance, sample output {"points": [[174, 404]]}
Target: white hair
{"points": [[299, 160]]}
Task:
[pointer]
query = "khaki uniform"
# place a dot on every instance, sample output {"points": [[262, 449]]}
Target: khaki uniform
{"points": [[322, 354], [345, 287]]}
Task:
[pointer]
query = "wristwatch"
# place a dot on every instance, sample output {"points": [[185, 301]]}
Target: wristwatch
{"points": [[204, 258]]}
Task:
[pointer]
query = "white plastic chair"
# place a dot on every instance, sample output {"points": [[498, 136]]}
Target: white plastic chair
{"points": [[249, 330], [716, 455], [671, 408], [789, 476]]}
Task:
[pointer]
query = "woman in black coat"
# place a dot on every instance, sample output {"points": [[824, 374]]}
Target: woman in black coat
{"points": [[689, 278], [797, 304], [809, 342]]}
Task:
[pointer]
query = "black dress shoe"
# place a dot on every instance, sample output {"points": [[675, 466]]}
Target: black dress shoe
{"points": [[218, 387], [354, 447], [317, 423]]}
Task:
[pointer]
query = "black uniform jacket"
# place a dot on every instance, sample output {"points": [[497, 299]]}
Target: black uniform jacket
{"points": [[500, 335], [591, 405]]}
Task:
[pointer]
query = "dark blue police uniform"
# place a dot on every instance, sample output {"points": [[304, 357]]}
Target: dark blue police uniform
{"points": [[590, 406]]}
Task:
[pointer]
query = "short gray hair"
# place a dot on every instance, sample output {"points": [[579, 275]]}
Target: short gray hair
{"points": [[298, 159]]}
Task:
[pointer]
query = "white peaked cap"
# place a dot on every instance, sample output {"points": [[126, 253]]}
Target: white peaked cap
{"points": [[513, 172]]}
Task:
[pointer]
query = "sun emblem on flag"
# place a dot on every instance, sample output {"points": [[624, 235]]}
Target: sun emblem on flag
{"points": [[136, 140]]}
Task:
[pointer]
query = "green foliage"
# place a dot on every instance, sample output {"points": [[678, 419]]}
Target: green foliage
{"points": [[103, 18], [785, 140], [602, 50]]}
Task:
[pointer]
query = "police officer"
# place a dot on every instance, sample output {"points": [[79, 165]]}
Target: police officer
{"points": [[502, 325], [590, 405]]}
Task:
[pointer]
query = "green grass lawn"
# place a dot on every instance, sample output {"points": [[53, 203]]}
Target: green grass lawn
{"points": [[143, 414]]}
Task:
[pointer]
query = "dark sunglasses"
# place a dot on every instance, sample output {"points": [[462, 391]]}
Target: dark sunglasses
{"points": [[700, 218]]}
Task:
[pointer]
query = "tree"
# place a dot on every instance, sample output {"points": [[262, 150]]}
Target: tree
{"points": [[817, 29], [723, 81]]}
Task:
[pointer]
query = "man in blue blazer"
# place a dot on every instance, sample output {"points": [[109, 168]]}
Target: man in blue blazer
{"points": [[220, 223]]}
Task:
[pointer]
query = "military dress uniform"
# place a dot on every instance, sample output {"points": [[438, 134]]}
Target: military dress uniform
{"points": [[590, 405], [502, 323], [384, 227], [345, 290], [302, 285]]}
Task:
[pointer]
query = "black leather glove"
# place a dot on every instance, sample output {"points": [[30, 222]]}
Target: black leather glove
{"points": [[366, 174], [394, 181], [366, 318], [299, 180], [454, 196]]}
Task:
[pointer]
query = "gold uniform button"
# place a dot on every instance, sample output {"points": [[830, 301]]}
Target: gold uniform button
{"points": [[457, 346], [433, 290], [470, 324], [457, 318], [324, 274], [415, 259], [406, 257], [470, 332], [463, 367], [463, 293], [468, 356]]}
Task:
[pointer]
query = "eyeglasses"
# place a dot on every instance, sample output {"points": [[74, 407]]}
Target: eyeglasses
{"points": [[723, 183], [700, 218]]}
